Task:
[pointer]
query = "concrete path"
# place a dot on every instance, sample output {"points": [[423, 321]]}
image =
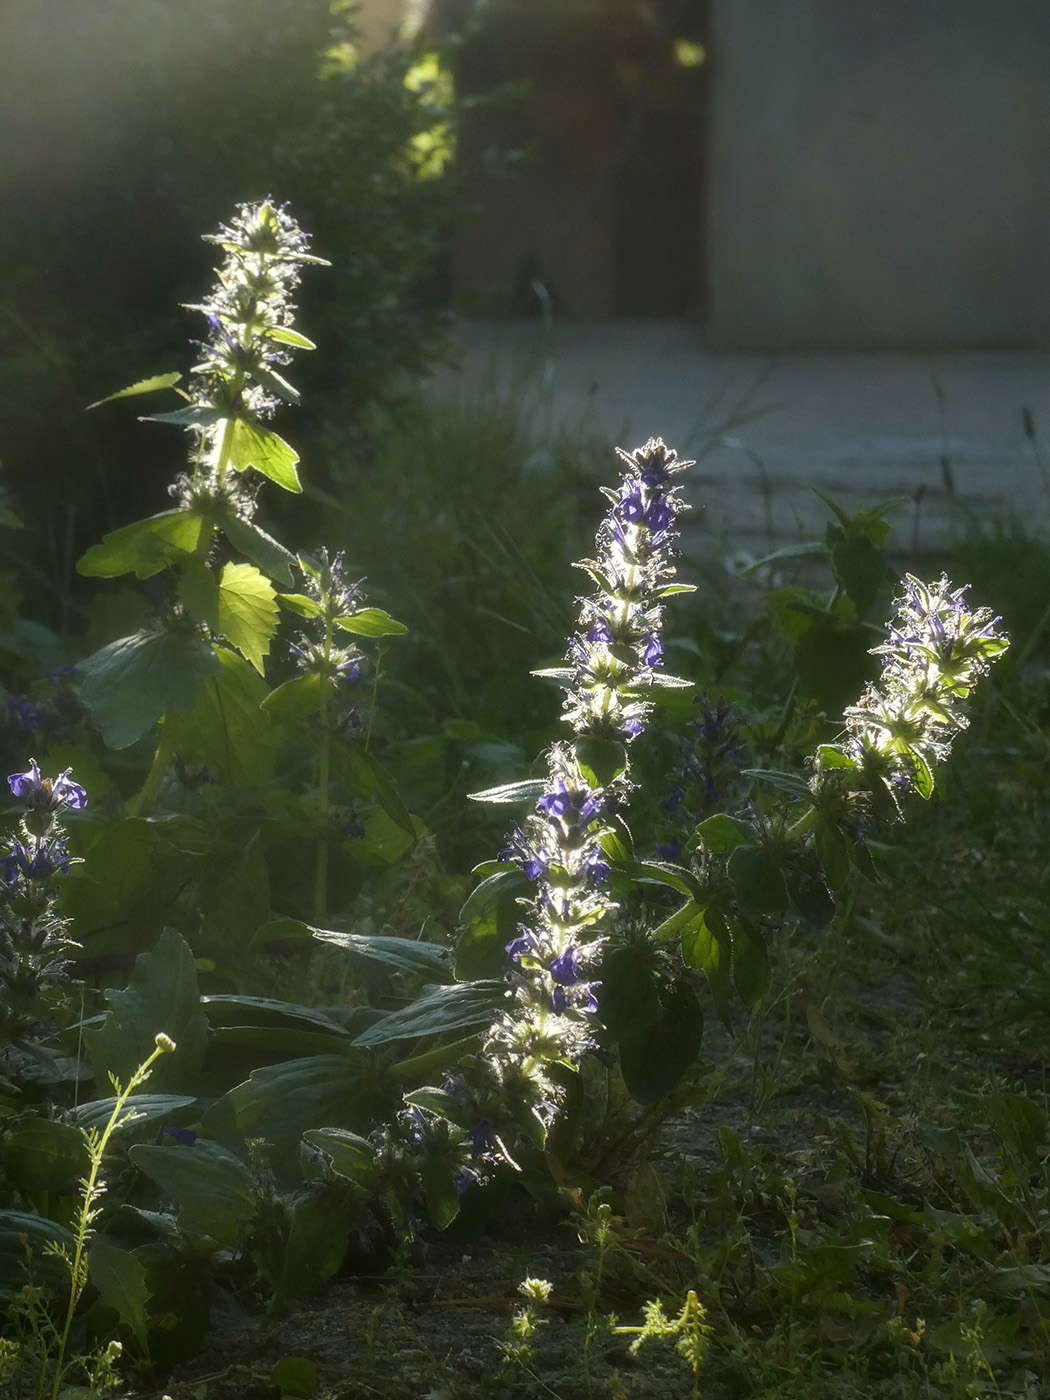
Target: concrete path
{"points": [[945, 432]]}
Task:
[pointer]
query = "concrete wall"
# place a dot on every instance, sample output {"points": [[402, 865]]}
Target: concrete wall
{"points": [[880, 174]]}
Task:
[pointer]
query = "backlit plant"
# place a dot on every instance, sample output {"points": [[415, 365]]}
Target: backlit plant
{"points": [[314, 1126]]}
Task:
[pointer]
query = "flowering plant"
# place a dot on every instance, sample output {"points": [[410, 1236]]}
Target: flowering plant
{"points": [[34, 940]]}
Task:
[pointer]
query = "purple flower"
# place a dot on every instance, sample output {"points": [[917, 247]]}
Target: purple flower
{"points": [[48, 858], [557, 803], [565, 969], [25, 784], [43, 795], [523, 946], [659, 517]]}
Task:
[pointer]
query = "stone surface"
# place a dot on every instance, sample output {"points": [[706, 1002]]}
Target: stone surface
{"points": [[946, 432]]}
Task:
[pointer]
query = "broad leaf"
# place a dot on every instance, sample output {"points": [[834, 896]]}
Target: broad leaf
{"points": [[129, 684], [147, 1109], [302, 604], [464, 1006], [295, 699], [247, 611], [653, 1060], [39, 1264], [707, 946], [142, 386], [40, 1155], [198, 591], [211, 1188], [280, 1102], [321, 1217], [366, 777], [256, 545], [722, 833], [350, 1155], [489, 921], [751, 970], [145, 547], [529, 790], [758, 879], [400, 954], [660, 873], [286, 336], [371, 622], [120, 1279], [161, 995], [229, 729], [254, 446], [601, 761]]}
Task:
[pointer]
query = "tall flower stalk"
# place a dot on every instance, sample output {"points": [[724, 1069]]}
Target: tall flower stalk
{"points": [[613, 658], [33, 940], [233, 393], [937, 650]]}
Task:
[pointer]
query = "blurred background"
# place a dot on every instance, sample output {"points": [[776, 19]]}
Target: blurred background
{"points": [[756, 180]]}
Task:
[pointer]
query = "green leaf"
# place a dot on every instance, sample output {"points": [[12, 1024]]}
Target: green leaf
{"points": [[229, 728], [254, 446], [628, 1000], [920, 774], [319, 1224], [751, 970], [276, 383], [198, 592], [488, 921], [211, 1188], [264, 1012], [371, 622], [828, 756], [144, 547], [28, 1245], [143, 386], [833, 854], [350, 1155], [366, 777], [653, 1060], [295, 1375], [121, 1282], [400, 954], [464, 1006], [295, 699], [528, 790], [833, 662], [675, 923], [301, 604], [707, 945], [271, 556], [40, 1155], [247, 611], [280, 1102], [660, 873], [440, 1191], [1022, 1124], [786, 782], [601, 761], [126, 876], [148, 1108], [721, 833], [198, 415], [758, 880], [286, 336], [129, 684], [161, 995]]}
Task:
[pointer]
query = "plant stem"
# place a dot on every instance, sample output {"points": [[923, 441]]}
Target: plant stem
{"points": [[144, 799], [90, 1192]]}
